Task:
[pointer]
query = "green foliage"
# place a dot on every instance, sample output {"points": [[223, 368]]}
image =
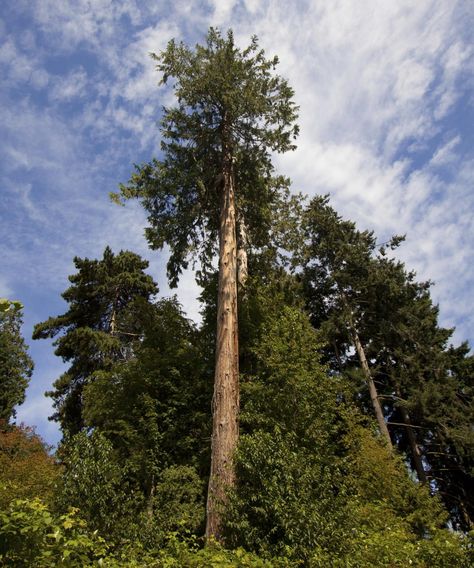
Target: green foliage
{"points": [[357, 509], [100, 327], [9, 305], [31, 536], [443, 403], [316, 486], [395, 547], [290, 500], [16, 366], [291, 493], [94, 482], [108, 492], [158, 409], [380, 483], [229, 103], [157, 417], [424, 386], [189, 554], [178, 503]]}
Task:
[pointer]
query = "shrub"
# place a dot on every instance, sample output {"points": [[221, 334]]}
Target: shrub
{"points": [[30, 535]]}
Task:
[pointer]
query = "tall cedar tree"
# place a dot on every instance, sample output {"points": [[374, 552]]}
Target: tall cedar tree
{"points": [[16, 365], [214, 182], [98, 329]]}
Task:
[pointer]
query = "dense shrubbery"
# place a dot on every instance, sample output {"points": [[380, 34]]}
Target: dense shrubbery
{"points": [[317, 486], [31, 535]]}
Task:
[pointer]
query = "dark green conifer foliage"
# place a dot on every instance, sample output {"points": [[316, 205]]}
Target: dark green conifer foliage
{"points": [[99, 327], [337, 262], [16, 365], [428, 385], [214, 84], [427, 404], [442, 403]]}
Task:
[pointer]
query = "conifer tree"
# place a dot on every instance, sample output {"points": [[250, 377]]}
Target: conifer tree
{"points": [[99, 327], [157, 413], [16, 365], [337, 260], [215, 186], [425, 386]]}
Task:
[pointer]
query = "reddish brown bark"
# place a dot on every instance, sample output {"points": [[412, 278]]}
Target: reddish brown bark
{"points": [[225, 404]]}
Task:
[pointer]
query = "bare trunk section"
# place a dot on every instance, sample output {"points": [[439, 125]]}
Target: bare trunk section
{"points": [[242, 260], [414, 448], [113, 317], [113, 324], [225, 403], [372, 389]]}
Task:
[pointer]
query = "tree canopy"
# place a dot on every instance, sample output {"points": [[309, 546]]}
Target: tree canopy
{"points": [[99, 328], [226, 98]]}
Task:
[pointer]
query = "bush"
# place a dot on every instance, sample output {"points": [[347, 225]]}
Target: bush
{"points": [[31, 536], [178, 506], [26, 468], [96, 484]]}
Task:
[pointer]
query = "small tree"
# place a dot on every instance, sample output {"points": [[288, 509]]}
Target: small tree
{"points": [[26, 468], [215, 185], [16, 365], [99, 328]]}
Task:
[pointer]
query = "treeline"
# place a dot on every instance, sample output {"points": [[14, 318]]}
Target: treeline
{"points": [[318, 416]]}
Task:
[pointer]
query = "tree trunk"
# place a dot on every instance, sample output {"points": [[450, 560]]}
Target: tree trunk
{"points": [[242, 260], [414, 448], [113, 317], [225, 403], [372, 389]]}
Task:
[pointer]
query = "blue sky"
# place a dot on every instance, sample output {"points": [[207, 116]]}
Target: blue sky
{"points": [[386, 90]]}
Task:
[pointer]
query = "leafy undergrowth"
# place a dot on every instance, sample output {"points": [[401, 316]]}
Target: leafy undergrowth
{"points": [[31, 535]]}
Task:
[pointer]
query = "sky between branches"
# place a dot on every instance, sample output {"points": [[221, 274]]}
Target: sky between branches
{"points": [[386, 91]]}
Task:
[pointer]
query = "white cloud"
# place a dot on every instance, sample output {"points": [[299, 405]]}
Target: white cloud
{"points": [[19, 68], [252, 5], [456, 62], [222, 11], [33, 412], [447, 153], [71, 86]]}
